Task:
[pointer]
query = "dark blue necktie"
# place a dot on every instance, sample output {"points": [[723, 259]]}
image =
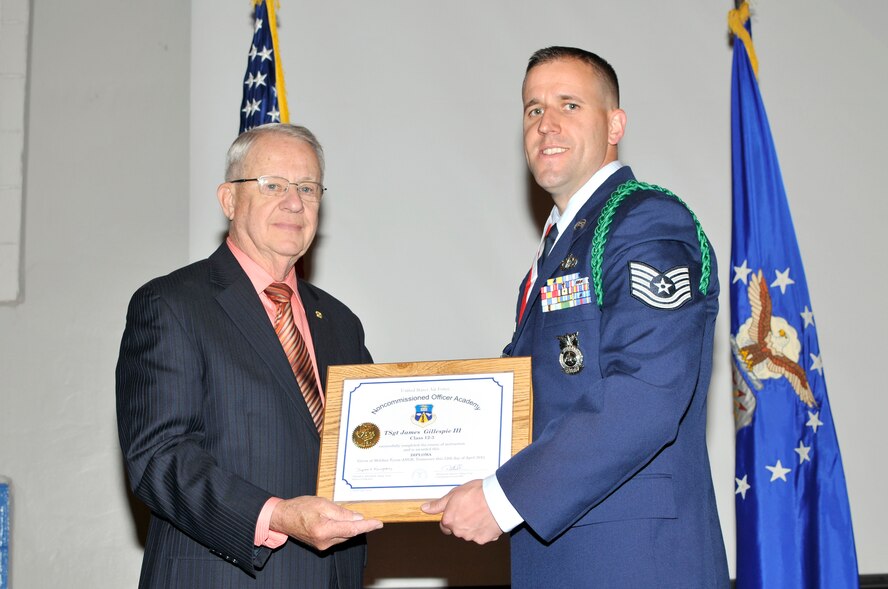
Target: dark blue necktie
{"points": [[551, 236]]}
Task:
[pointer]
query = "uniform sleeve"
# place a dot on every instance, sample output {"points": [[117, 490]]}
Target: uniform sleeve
{"points": [[649, 361], [160, 396]]}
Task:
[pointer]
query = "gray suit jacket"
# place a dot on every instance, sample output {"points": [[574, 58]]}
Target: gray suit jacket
{"points": [[212, 424]]}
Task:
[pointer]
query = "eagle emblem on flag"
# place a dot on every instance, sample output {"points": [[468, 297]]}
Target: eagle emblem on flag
{"points": [[661, 290], [767, 346]]}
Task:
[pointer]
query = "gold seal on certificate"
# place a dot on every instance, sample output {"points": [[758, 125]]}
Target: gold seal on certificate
{"points": [[365, 435], [396, 435]]}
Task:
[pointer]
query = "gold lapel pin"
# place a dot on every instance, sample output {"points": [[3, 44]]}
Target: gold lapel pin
{"points": [[319, 315]]}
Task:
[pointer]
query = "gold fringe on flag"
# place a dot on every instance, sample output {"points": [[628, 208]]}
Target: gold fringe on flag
{"points": [[736, 20]]}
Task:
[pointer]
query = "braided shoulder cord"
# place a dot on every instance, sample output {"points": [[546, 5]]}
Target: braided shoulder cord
{"points": [[599, 239]]}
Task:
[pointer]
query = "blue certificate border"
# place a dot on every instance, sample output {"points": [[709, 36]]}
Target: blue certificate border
{"points": [[349, 425]]}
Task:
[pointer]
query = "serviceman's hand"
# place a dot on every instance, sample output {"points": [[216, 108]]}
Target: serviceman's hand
{"points": [[466, 514]]}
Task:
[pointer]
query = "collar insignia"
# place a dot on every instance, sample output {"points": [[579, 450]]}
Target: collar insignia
{"points": [[569, 262]]}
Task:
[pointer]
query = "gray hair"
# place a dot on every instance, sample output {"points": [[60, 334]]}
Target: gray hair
{"points": [[237, 153]]}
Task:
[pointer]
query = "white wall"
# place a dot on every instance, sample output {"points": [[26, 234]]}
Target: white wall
{"points": [[106, 203], [13, 66], [418, 106]]}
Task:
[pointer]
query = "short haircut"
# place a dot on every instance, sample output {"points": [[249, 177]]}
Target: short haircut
{"points": [[601, 67], [237, 153]]}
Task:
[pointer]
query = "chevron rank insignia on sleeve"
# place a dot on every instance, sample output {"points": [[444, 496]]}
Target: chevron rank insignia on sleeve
{"points": [[661, 290]]}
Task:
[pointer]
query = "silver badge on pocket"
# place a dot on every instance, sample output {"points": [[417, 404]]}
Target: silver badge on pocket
{"points": [[571, 358]]}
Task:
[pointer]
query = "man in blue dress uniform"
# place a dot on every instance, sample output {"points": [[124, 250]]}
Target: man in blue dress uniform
{"points": [[618, 314]]}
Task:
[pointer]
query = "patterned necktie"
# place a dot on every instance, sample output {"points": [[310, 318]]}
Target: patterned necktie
{"points": [[551, 236], [296, 350]]}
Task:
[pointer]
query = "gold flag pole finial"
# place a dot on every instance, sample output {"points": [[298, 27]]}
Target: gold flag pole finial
{"points": [[736, 19]]}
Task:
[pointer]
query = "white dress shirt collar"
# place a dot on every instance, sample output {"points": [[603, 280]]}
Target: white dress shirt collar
{"points": [[580, 198]]}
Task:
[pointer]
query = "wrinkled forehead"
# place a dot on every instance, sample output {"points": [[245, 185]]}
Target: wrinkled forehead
{"points": [[278, 152]]}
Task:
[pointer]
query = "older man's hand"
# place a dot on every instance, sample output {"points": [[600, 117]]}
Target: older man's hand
{"points": [[319, 522]]}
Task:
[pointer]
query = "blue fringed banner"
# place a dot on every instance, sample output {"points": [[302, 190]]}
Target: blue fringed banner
{"points": [[4, 534]]}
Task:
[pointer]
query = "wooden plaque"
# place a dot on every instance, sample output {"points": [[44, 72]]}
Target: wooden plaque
{"points": [[408, 510]]}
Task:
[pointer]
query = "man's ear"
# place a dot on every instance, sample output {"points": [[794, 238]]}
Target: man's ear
{"points": [[616, 126], [227, 198]]}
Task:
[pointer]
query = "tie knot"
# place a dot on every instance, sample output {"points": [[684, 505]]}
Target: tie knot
{"points": [[279, 292]]}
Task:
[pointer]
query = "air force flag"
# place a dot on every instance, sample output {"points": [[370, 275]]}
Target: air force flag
{"points": [[793, 519]]}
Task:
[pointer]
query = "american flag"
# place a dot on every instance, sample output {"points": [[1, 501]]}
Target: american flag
{"points": [[265, 99]]}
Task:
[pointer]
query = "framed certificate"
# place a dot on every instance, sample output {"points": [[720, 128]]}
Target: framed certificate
{"points": [[397, 435]]}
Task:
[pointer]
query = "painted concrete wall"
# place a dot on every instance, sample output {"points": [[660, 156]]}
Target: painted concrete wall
{"points": [[106, 207], [13, 69]]}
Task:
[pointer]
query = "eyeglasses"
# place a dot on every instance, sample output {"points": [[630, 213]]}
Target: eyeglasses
{"points": [[277, 187]]}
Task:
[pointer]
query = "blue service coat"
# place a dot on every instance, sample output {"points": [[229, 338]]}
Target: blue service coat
{"points": [[616, 489]]}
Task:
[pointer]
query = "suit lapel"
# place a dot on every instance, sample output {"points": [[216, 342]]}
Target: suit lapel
{"points": [[238, 299]]}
